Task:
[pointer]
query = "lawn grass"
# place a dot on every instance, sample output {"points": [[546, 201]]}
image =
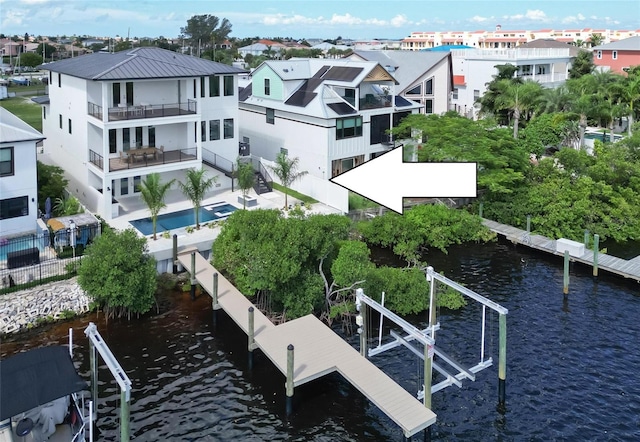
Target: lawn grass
{"points": [[25, 109], [358, 202], [292, 193], [35, 88]]}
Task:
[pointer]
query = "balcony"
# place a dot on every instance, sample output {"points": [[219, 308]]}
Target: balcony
{"points": [[143, 157], [375, 101], [144, 110]]}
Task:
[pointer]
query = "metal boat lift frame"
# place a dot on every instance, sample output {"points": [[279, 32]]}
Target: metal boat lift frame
{"points": [[427, 338]]}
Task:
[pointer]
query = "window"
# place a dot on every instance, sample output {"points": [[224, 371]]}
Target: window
{"points": [[214, 130], [115, 91], [228, 85], [350, 96], [348, 128], [70, 126], [203, 131], [417, 90], [50, 77], [124, 186], [454, 95], [59, 79], [271, 116], [202, 87], [152, 136], [614, 55], [214, 86], [428, 106], [129, 92], [6, 161], [14, 207], [44, 113], [137, 181], [284, 151], [428, 87], [113, 144], [476, 94], [60, 120], [126, 139], [194, 88], [139, 136], [228, 128], [267, 86], [599, 55]]}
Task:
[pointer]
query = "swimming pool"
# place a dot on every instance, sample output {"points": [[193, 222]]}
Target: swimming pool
{"points": [[8, 245], [183, 218]]}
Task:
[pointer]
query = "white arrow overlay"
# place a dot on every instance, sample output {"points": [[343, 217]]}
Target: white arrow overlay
{"points": [[387, 179]]}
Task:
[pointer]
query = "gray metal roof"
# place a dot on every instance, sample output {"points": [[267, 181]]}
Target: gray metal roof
{"points": [[406, 66], [628, 44], [13, 129], [139, 64]]}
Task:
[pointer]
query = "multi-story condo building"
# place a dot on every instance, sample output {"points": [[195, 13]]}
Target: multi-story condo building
{"points": [[505, 39], [112, 118], [332, 115], [18, 175]]}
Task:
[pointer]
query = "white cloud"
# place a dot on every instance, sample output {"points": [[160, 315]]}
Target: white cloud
{"points": [[33, 2], [479, 19], [574, 19], [531, 14], [335, 20], [399, 20]]}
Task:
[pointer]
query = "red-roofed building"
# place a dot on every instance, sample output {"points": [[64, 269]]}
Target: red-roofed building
{"points": [[618, 55]]}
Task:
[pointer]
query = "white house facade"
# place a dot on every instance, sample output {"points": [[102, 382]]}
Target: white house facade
{"points": [[113, 118], [331, 114], [18, 175]]}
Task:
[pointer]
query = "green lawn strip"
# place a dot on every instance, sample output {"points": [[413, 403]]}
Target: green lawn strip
{"points": [[292, 193], [25, 109], [358, 202], [35, 88]]}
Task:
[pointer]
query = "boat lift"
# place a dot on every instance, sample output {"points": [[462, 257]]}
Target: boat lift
{"points": [[427, 338], [97, 343]]}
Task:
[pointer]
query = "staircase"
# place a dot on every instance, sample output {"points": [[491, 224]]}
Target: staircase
{"points": [[260, 184]]}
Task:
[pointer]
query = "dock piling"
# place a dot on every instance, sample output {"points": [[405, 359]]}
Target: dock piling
{"points": [[93, 360], [194, 282], [251, 337], [480, 210], [175, 254], [289, 386], [565, 284], [428, 361], [528, 223], [596, 245], [214, 299], [124, 417], [363, 331], [586, 238], [502, 361]]}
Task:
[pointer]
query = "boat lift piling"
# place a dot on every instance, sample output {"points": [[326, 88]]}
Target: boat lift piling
{"points": [[96, 343]]}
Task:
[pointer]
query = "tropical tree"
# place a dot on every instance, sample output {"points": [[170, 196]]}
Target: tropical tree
{"points": [[518, 98], [596, 39], [67, 206], [118, 274], [51, 183], [487, 101], [630, 95], [195, 186], [582, 64], [153, 192], [206, 30], [246, 177], [583, 101], [609, 107], [286, 169], [30, 59]]}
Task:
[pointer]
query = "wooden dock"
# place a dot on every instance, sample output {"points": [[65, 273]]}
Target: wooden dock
{"points": [[317, 351], [628, 268]]}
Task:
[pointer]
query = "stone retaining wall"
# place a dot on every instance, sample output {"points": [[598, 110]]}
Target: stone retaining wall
{"points": [[20, 310]]}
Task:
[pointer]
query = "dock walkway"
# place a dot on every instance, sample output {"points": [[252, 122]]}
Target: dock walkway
{"points": [[318, 351], [629, 268]]}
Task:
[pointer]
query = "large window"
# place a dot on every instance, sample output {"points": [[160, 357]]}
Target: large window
{"points": [[203, 131], [214, 130], [214, 86], [126, 139], [7, 167], [115, 91], [129, 92], [348, 128], [228, 85], [417, 90], [14, 207], [139, 136], [152, 136], [271, 116], [428, 106], [228, 128], [267, 86], [202, 87], [428, 87]]}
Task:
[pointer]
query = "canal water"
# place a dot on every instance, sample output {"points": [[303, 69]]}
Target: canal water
{"points": [[573, 365]]}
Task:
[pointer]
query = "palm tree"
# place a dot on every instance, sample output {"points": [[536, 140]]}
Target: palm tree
{"points": [[153, 192], [518, 98], [195, 187], [287, 171], [246, 177], [582, 91], [630, 94]]}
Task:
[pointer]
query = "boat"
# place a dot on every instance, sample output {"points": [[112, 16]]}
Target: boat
{"points": [[41, 398], [21, 81]]}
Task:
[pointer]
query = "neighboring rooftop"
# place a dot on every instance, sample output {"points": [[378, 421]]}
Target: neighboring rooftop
{"points": [[137, 64], [13, 129], [551, 43], [628, 44]]}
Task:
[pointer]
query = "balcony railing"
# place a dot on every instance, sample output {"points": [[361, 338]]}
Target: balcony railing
{"points": [[143, 110], [375, 101], [148, 157]]}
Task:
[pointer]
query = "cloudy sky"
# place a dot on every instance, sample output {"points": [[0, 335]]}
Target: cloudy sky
{"points": [[311, 19]]}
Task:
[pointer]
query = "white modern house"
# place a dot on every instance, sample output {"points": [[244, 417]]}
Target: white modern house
{"points": [[474, 68], [331, 114], [424, 77], [18, 175], [112, 118]]}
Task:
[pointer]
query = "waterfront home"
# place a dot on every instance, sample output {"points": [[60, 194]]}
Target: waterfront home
{"points": [[18, 175], [331, 114], [112, 118], [618, 55]]}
